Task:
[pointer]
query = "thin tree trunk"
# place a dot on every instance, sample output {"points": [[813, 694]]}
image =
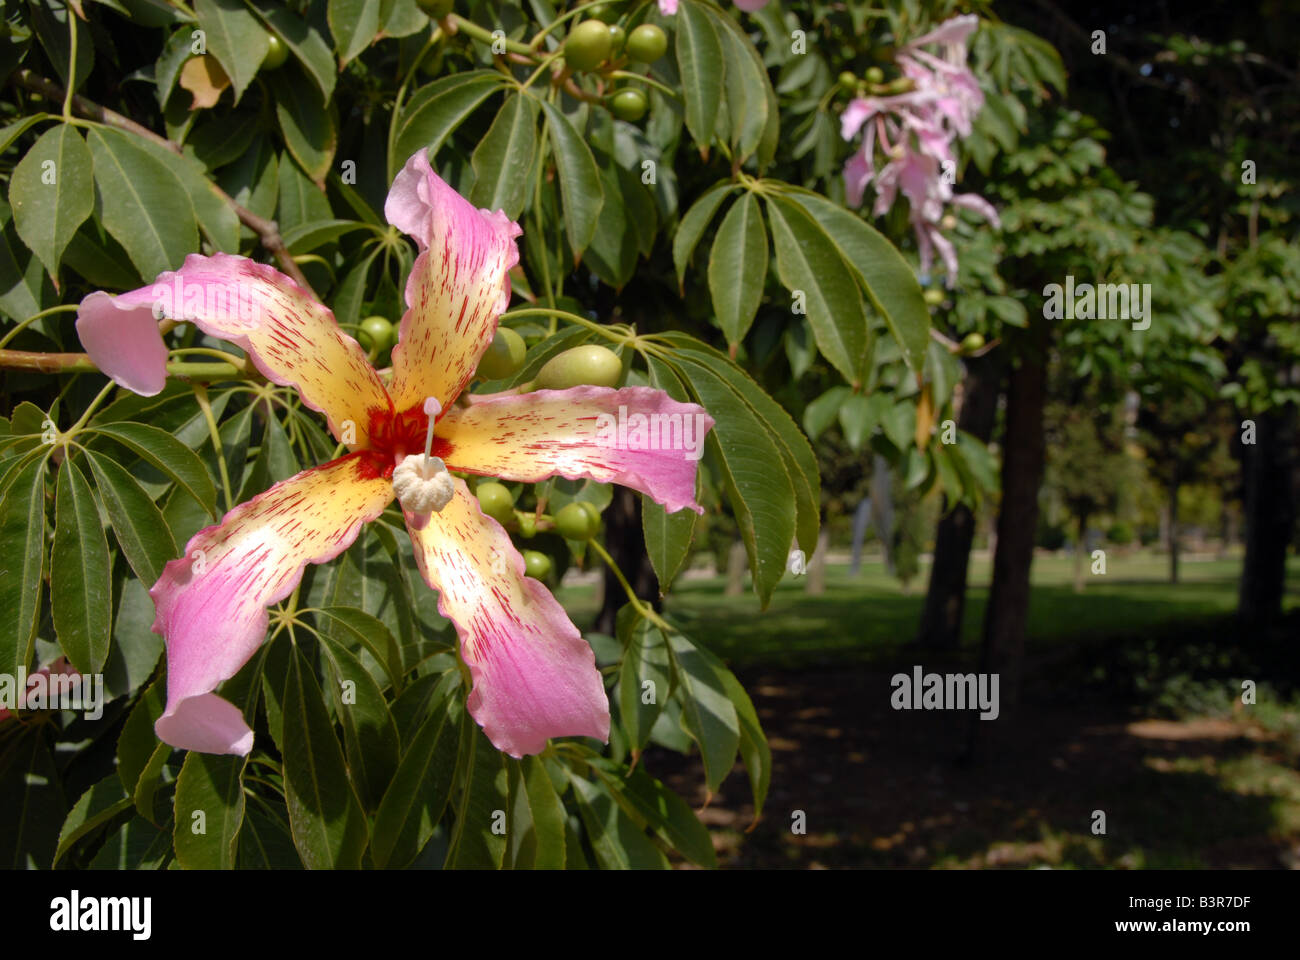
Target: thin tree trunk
{"points": [[1023, 456], [1080, 548], [1173, 532], [625, 541], [1268, 514], [816, 585], [736, 563], [945, 599]]}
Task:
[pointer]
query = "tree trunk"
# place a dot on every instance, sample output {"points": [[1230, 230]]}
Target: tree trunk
{"points": [[945, 600], [1173, 532], [625, 541], [1080, 549], [736, 562], [816, 585], [1268, 514], [1023, 453]]}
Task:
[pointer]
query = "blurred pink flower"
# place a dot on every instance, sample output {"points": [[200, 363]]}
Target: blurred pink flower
{"points": [[916, 131], [669, 7]]}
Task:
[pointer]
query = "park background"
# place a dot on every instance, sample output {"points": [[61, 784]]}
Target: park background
{"points": [[1155, 681]]}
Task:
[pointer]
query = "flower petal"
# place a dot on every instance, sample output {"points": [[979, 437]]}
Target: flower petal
{"points": [[458, 287], [292, 339], [212, 601], [637, 436], [534, 676]]}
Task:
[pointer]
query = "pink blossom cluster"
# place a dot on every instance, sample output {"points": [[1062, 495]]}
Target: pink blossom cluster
{"points": [[916, 132]]}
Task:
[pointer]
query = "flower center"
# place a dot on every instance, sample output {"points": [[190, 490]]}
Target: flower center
{"points": [[395, 435], [421, 481]]}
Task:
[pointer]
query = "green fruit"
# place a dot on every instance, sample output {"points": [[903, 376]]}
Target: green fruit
{"points": [[495, 501], [504, 356], [617, 39], [276, 52], [628, 104], [537, 565], [588, 45], [379, 332], [590, 364], [436, 9], [574, 523], [647, 43], [874, 75], [592, 511], [933, 297], [848, 82], [972, 342]]}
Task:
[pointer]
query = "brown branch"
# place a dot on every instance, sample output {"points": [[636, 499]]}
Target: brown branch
{"points": [[46, 362], [268, 231]]}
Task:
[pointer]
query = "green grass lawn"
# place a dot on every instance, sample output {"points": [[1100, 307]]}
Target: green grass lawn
{"points": [[868, 617]]}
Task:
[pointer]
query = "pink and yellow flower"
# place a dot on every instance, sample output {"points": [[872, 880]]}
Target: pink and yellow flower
{"points": [[534, 677]]}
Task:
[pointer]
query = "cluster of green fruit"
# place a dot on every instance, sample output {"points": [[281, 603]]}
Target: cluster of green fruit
{"points": [[578, 520], [593, 43]]}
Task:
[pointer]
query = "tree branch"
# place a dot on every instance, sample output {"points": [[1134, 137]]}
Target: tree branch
{"points": [[268, 231]]}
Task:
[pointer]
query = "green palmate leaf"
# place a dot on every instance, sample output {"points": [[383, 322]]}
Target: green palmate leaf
{"points": [[436, 110], [417, 796], [216, 217], [306, 237], [821, 413], [309, 123], [474, 844], [535, 836], [613, 249], [702, 64], [235, 38], [168, 454], [12, 131], [369, 733], [754, 749], [618, 842], [101, 261], [21, 276], [708, 714], [798, 456], [354, 24], [738, 267], [81, 593], [808, 263], [858, 417], [758, 484], [51, 193], [266, 843], [137, 845], [668, 536], [32, 804], [138, 742], [97, 806], [146, 787], [306, 43], [177, 49], [300, 200], [50, 20], [209, 810], [668, 816], [746, 85], [693, 224], [756, 79], [351, 623], [645, 683], [141, 531], [22, 556], [889, 281], [580, 184], [142, 203], [329, 826], [504, 157]]}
